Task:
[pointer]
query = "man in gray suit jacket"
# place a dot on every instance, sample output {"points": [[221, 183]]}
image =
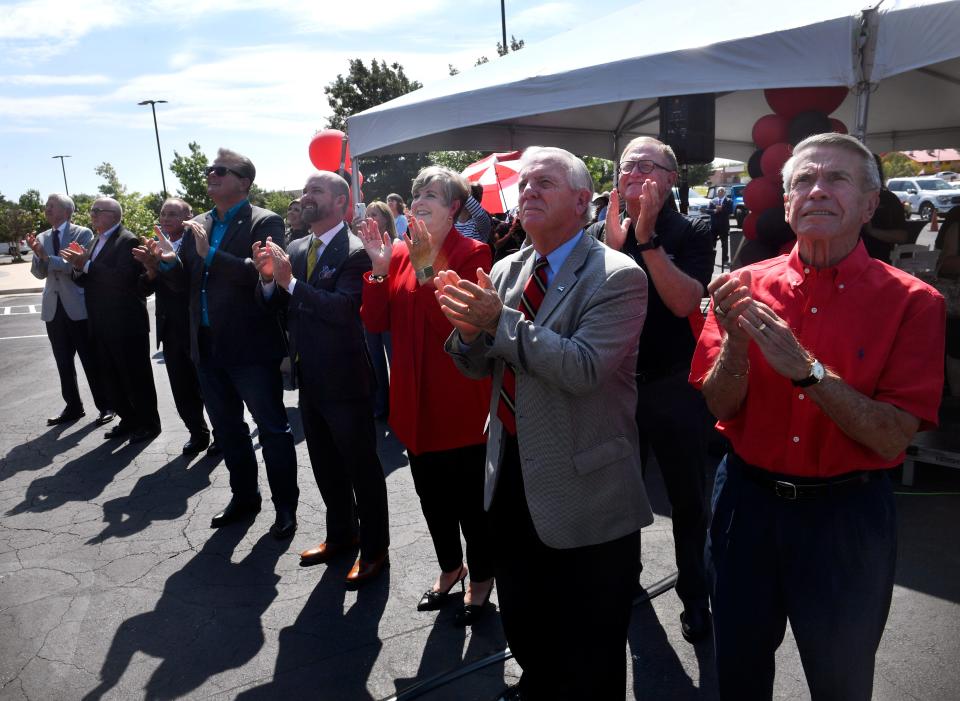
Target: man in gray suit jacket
{"points": [[563, 486], [64, 310]]}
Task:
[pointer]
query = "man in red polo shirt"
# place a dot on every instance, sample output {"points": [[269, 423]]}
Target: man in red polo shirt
{"points": [[820, 366]]}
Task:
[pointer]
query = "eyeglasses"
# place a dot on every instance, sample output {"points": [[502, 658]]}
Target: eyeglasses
{"points": [[220, 171], [643, 166], [97, 210]]}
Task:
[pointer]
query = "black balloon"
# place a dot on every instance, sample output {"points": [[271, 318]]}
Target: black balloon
{"points": [[807, 124], [753, 252], [772, 229], [753, 165]]}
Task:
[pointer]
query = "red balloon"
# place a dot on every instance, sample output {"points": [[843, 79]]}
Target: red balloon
{"points": [[763, 193], [325, 149], [770, 129], [838, 126], [750, 226], [773, 158], [789, 102]]}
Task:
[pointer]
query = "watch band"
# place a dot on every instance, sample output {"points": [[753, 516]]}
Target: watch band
{"points": [[817, 373], [653, 243]]}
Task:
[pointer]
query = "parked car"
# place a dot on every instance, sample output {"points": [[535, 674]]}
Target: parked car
{"points": [[735, 192], [696, 204], [949, 176], [12, 247], [925, 194]]}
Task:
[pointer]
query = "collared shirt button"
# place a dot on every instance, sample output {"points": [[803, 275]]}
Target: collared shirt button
{"points": [[841, 285], [813, 310], [796, 439], [801, 395], [806, 270]]}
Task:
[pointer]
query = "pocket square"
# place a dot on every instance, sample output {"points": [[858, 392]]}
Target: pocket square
{"points": [[326, 272]]}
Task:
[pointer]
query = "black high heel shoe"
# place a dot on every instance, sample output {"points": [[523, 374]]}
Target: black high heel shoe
{"points": [[471, 613], [432, 599]]}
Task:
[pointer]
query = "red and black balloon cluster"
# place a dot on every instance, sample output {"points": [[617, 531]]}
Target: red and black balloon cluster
{"points": [[797, 114]]}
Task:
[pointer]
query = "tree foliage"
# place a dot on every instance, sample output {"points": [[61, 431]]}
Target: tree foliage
{"points": [[601, 170], [138, 217], [899, 165], [361, 89], [189, 171], [455, 160], [32, 205]]}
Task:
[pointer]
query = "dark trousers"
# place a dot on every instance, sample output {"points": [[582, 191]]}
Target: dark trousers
{"points": [[672, 421], [69, 338], [185, 386], [450, 486], [567, 649], [378, 345], [226, 388], [127, 376], [342, 442], [826, 564]]}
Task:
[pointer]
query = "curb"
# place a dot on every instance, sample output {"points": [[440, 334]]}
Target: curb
{"points": [[24, 291]]}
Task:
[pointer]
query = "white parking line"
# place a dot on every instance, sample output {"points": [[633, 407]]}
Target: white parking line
{"points": [[30, 309], [14, 338]]}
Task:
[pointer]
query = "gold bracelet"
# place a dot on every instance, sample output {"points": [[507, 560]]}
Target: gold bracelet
{"points": [[730, 372]]}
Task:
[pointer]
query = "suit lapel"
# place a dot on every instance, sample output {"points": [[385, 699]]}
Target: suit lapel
{"points": [[233, 227], [520, 271], [298, 257]]}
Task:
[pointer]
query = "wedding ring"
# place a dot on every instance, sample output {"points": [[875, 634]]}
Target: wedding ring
{"points": [[719, 311], [762, 326]]}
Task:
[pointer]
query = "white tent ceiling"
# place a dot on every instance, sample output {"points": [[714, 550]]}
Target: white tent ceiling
{"points": [[592, 89]]}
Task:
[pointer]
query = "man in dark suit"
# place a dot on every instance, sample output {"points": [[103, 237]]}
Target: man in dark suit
{"points": [[119, 325], [720, 209], [173, 324], [64, 310], [321, 283], [557, 325], [238, 344]]}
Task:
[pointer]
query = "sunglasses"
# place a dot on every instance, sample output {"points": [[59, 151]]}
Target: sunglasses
{"points": [[220, 171]]}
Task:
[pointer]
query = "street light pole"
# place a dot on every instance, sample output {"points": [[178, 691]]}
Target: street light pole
{"points": [[64, 169], [503, 25], [153, 108]]}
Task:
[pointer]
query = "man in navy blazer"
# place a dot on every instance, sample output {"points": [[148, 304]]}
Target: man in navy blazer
{"points": [[238, 344], [64, 310], [329, 357], [119, 325]]}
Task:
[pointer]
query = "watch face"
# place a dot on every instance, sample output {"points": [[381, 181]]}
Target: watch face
{"points": [[817, 371]]}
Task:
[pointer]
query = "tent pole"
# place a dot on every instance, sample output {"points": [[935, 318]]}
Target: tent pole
{"points": [[865, 49]]}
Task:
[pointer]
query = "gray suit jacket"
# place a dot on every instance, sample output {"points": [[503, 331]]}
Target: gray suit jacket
{"points": [[58, 275], [576, 393]]}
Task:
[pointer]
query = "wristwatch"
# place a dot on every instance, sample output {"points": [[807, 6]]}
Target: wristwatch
{"points": [[425, 274], [817, 373], [654, 242]]}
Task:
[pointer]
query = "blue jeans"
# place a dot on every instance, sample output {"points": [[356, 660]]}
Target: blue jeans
{"points": [[825, 563], [225, 391]]}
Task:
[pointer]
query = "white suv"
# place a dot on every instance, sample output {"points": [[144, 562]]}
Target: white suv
{"points": [[925, 194]]}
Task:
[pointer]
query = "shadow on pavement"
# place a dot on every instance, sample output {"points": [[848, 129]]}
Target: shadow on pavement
{"points": [[329, 652], [38, 452], [82, 479], [160, 496], [206, 621]]}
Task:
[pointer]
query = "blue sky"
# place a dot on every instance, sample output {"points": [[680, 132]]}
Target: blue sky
{"points": [[246, 74]]}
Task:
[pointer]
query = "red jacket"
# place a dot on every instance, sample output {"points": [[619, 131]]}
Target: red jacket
{"points": [[433, 406]]}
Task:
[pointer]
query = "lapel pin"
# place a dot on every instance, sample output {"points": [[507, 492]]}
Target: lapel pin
{"points": [[561, 288]]}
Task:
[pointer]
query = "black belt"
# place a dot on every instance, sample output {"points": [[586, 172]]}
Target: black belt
{"points": [[792, 488]]}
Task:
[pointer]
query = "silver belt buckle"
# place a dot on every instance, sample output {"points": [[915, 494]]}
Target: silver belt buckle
{"points": [[785, 490]]}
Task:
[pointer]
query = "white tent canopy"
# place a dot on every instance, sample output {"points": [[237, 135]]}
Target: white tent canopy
{"points": [[594, 88]]}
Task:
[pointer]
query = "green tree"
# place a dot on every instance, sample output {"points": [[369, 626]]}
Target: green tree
{"points": [[899, 165], [15, 223], [361, 89], [32, 205], [137, 215], [455, 160], [601, 170], [189, 171]]}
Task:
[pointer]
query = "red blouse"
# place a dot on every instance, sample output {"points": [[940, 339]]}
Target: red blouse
{"points": [[880, 329], [432, 405]]}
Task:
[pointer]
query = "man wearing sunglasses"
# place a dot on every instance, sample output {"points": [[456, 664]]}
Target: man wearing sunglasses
{"points": [[677, 255], [238, 344]]}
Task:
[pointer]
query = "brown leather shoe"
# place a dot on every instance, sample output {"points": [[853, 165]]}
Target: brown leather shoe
{"points": [[326, 552], [363, 571]]}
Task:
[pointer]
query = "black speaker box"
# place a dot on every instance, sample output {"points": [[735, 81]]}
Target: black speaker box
{"points": [[686, 125]]}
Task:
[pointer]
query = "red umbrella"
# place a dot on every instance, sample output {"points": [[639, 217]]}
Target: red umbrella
{"points": [[499, 175]]}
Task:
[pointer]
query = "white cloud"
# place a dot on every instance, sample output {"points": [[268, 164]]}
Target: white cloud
{"points": [[550, 14], [53, 80]]}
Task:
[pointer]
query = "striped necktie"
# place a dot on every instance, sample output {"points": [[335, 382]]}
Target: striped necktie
{"points": [[533, 293], [315, 244]]}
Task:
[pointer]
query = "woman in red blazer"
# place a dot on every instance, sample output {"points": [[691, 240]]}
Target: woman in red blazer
{"points": [[436, 412]]}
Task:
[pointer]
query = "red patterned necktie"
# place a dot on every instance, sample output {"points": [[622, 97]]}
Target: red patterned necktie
{"points": [[533, 293]]}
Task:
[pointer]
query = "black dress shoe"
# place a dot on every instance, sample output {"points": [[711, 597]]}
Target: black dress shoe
{"points": [[235, 511], [214, 449], [285, 525], [695, 623], [471, 613], [118, 431], [433, 599], [65, 416], [144, 434], [105, 418], [197, 444]]}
